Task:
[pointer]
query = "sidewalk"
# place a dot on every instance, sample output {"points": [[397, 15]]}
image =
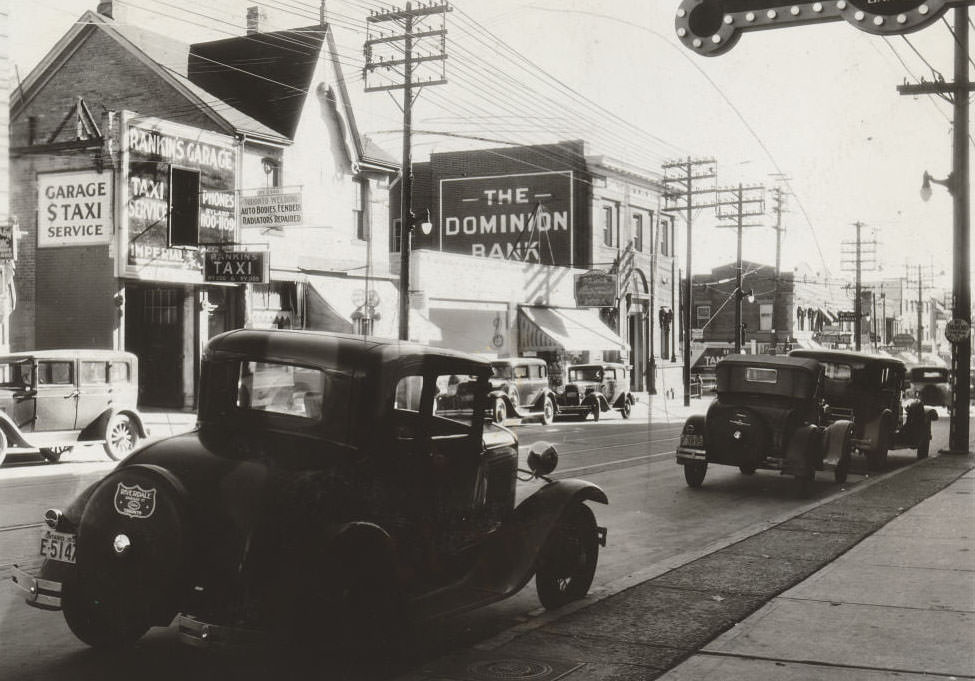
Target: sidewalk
{"points": [[878, 583], [165, 422], [665, 409]]}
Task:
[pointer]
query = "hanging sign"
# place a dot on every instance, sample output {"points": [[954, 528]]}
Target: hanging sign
{"points": [[596, 289], [957, 330], [712, 27], [236, 267]]}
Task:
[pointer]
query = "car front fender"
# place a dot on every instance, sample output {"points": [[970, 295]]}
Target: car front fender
{"points": [[10, 429], [96, 429], [839, 437], [507, 559]]}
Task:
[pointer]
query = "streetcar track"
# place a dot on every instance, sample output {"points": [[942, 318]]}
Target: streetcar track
{"points": [[27, 526]]}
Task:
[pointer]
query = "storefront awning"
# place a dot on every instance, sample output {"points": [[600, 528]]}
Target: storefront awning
{"points": [[333, 303], [563, 328]]}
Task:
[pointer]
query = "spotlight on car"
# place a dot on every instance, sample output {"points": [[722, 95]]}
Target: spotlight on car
{"points": [[542, 458]]}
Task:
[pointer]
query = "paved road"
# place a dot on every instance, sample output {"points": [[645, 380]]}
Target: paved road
{"points": [[655, 522]]}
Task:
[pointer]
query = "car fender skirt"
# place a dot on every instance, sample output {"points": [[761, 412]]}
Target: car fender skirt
{"points": [[507, 559]]}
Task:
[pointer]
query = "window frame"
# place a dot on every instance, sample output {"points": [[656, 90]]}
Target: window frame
{"points": [[177, 211]]}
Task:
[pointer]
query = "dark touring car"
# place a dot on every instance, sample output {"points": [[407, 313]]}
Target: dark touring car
{"points": [[767, 415], [331, 492]]}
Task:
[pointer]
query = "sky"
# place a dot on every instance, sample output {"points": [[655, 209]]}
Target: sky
{"points": [[816, 105]]}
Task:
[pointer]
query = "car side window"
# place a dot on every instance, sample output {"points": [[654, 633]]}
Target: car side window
{"points": [[521, 371], [286, 389], [609, 374], [55, 373], [118, 372], [94, 373], [541, 371]]}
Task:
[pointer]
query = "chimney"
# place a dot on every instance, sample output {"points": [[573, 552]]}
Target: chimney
{"points": [[108, 9], [256, 19]]}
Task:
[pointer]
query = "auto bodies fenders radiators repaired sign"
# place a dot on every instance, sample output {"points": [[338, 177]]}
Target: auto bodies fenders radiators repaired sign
{"points": [[74, 209], [712, 27], [526, 217], [273, 208]]}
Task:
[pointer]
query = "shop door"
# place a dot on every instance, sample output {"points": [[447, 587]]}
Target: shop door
{"points": [[154, 332]]}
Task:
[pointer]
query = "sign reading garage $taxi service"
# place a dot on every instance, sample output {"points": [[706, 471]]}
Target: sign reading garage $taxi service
{"points": [[74, 209]]}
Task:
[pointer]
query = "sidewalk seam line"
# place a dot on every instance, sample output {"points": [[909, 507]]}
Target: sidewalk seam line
{"points": [[838, 665]]}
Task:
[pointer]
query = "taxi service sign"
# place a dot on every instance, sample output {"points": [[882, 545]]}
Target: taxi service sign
{"points": [[236, 267], [74, 209]]}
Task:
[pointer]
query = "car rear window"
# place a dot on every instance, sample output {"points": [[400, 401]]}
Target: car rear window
{"points": [[837, 372], [761, 375], [291, 390], [118, 372], [521, 371]]}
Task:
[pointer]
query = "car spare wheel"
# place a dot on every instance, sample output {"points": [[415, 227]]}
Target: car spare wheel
{"points": [[129, 558], [567, 561]]}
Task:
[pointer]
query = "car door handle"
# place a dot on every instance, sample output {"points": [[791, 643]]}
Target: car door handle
{"points": [[76, 393]]}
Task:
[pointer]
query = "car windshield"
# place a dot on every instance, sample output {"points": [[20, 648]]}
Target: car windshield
{"points": [[585, 373], [501, 371], [16, 374]]}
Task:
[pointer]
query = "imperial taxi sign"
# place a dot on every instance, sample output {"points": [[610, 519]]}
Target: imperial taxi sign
{"points": [[712, 27]]}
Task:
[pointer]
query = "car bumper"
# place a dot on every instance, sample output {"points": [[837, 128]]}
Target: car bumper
{"points": [[39, 593], [691, 455]]}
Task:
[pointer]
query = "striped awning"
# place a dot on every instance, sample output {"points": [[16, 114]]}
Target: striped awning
{"points": [[563, 328]]}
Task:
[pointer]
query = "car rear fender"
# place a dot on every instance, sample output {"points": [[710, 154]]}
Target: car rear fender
{"points": [[507, 559], [695, 424], [362, 543], [96, 429], [540, 401], [917, 418], [839, 437], [10, 429], [804, 450]]}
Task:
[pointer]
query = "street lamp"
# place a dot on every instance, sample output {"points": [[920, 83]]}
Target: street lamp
{"points": [[948, 183]]}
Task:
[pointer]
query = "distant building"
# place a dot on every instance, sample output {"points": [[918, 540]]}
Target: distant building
{"points": [[519, 226]]}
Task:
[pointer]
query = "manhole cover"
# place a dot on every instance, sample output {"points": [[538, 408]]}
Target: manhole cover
{"points": [[510, 669]]}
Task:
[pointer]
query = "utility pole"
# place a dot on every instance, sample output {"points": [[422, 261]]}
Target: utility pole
{"points": [[958, 185], [679, 178], [411, 28], [739, 199], [864, 256], [778, 207], [921, 284]]}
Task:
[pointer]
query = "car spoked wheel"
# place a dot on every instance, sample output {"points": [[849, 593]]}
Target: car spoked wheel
{"points": [[548, 412], [129, 559], [120, 436], [839, 436], [694, 473], [625, 409], [3, 446], [567, 561], [500, 410]]}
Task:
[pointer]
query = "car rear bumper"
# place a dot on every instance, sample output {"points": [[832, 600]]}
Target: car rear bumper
{"points": [[39, 593]]}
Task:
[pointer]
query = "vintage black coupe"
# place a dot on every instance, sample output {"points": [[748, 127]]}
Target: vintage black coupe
{"points": [[767, 415], [325, 497], [868, 390], [930, 384]]}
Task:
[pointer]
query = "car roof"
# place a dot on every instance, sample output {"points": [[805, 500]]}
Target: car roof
{"points": [[313, 348], [69, 353], [598, 364], [848, 356], [771, 362]]}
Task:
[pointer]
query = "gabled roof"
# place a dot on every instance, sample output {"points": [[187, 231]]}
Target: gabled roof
{"points": [[269, 75], [165, 56]]}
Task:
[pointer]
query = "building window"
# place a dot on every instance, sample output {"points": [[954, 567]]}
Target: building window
{"points": [[703, 315], [608, 225], [638, 232], [396, 236], [359, 194], [664, 228], [272, 171], [765, 318], [184, 207]]}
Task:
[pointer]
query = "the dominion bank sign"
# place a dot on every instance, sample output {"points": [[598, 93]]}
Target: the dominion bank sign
{"points": [[526, 217]]}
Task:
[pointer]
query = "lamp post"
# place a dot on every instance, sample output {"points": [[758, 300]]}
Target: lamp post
{"points": [[739, 326]]}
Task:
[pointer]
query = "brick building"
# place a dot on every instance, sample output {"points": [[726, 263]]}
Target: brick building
{"points": [[133, 158], [518, 225], [8, 230]]}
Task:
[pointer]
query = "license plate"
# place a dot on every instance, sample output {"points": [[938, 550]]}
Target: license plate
{"points": [[58, 546]]}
